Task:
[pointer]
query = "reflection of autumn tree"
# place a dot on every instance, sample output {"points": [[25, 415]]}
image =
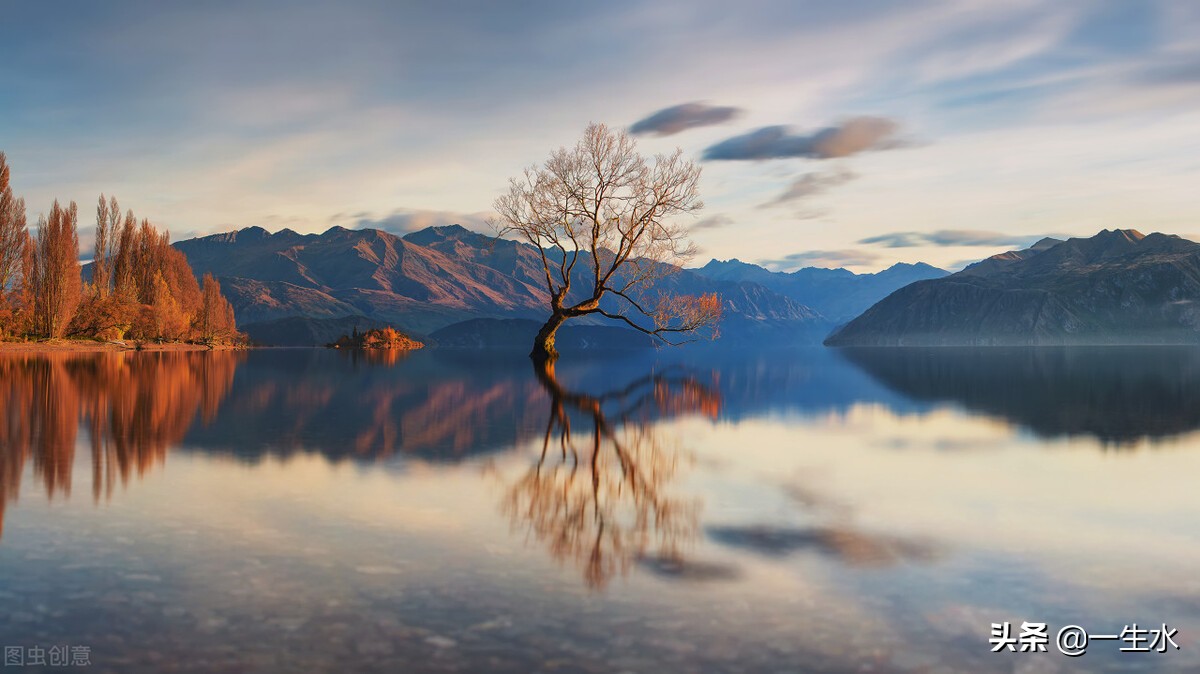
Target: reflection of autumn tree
{"points": [[135, 406], [598, 495]]}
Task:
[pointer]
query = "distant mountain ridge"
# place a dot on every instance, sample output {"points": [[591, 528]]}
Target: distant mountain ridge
{"points": [[837, 294], [431, 279], [1117, 287]]}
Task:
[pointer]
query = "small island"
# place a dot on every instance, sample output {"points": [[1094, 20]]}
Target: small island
{"points": [[378, 338]]}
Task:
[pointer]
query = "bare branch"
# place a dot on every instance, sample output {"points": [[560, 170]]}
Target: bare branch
{"points": [[604, 200]]}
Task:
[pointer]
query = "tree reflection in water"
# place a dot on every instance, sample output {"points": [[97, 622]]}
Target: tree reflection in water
{"points": [[598, 494], [135, 406]]}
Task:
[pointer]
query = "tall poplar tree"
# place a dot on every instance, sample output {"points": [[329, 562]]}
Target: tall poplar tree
{"points": [[57, 283]]}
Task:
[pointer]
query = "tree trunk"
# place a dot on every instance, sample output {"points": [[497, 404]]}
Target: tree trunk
{"points": [[543, 344]]}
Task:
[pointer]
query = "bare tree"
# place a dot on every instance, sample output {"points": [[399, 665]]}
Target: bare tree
{"points": [[601, 216]]}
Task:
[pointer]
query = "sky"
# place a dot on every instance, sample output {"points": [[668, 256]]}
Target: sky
{"points": [[856, 134]]}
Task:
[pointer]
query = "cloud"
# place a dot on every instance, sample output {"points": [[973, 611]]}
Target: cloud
{"points": [[823, 258], [682, 117], [405, 220], [811, 184], [951, 237], [854, 135], [712, 222]]}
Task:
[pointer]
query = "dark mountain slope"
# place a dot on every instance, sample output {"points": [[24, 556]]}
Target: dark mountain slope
{"points": [[1118, 287]]}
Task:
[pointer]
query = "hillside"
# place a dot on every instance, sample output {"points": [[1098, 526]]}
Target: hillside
{"points": [[837, 294], [429, 280], [1117, 287]]}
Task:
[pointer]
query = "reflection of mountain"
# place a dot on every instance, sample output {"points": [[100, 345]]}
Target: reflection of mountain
{"points": [[1116, 394], [598, 495], [453, 405], [448, 405], [345, 405], [134, 406]]}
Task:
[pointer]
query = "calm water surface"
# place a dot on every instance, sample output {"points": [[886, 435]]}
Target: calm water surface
{"points": [[686, 511]]}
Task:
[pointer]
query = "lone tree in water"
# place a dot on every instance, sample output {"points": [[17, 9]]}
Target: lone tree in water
{"points": [[601, 216]]}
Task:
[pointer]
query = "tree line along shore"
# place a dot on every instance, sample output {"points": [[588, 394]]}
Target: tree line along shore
{"points": [[140, 292]]}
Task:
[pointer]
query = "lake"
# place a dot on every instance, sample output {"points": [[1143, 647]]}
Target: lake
{"points": [[693, 510]]}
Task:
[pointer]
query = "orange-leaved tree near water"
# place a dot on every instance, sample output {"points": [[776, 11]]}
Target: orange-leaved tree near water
{"points": [[602, 216], [216, 322], [15, 245], [153, 293], [141, 287], [57, 284]]}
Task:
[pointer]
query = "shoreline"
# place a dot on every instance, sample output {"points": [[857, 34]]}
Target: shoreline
{"points": [[90, 346]]}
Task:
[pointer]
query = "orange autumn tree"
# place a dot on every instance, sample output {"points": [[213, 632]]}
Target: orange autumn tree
{"points": [[56, 280], [14, 244], [140, 286], [155, 291], [377, 338], [145, 289], [215, 322]]}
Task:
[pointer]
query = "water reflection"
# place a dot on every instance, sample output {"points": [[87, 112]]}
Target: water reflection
{"points": [[448, 406], [1118, 395], [842, 543], [345, 406], [599, 493], [133, 406], [322, 512]]}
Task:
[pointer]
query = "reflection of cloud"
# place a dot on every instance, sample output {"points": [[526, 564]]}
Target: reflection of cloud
{"points": [[811, 184], [849, 546], [854, 135], [682, 117], [824, 258], [689, 571], [951, 237]]}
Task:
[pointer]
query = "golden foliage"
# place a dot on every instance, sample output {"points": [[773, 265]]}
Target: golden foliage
{"points": [[377, 338], [141, 286]]}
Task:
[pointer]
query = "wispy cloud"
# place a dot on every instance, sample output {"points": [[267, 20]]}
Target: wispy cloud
{"points": [[811, 184], [403, 220], [682, 117], [854, 135], [823, 258], [712, 222], [951, 237]]}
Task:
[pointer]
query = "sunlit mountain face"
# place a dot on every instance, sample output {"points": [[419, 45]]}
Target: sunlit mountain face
{"points": [[454, 508]]}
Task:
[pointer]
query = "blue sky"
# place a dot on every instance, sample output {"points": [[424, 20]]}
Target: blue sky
{"points": [[856, 134]]}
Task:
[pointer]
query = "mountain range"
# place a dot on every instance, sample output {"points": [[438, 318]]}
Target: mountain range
{"points": [[837, 294], [1117, 287], [291, 288]]}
